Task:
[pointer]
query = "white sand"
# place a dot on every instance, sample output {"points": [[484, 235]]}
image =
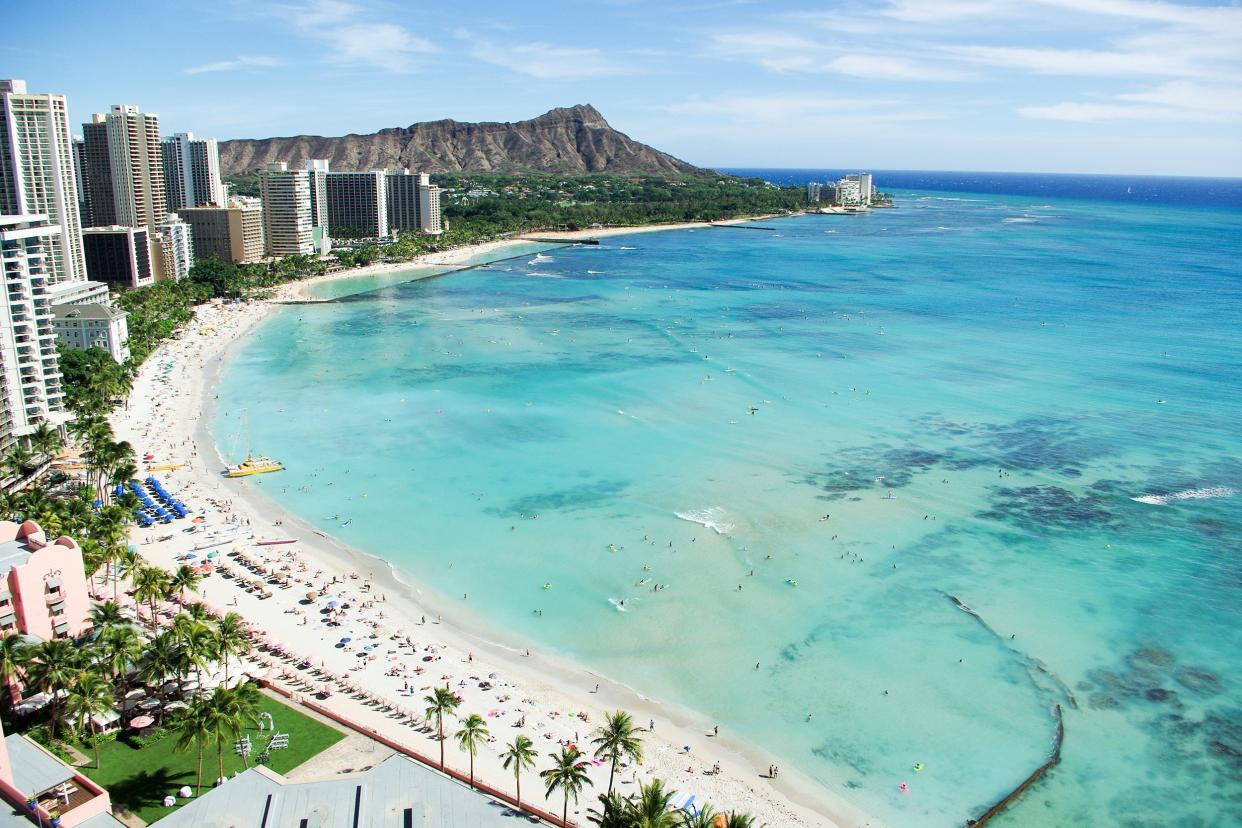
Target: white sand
{"points": [[166, 416]]}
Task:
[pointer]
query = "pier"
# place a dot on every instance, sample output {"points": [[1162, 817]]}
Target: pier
{"points": [[560, 241], [741, 227]]}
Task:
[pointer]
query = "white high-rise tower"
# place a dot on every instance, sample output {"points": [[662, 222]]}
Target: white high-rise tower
{"points": [[192, 171], [36, 173]]}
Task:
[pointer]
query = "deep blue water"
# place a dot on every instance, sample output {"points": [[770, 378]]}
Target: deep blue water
{"points": [[1132, 189]]}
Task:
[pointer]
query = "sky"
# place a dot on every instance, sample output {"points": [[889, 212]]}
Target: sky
{"points": [[1081, 86]]}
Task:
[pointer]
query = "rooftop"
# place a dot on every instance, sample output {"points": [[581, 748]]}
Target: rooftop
{"points": [[398, 791], [91, 311], [34, 769]]}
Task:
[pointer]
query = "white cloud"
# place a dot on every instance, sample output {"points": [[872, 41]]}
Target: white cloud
{"points": [[892, 68], [381, 45], [544, 60], [779, 51], [806, 111], [1177, 101], [243, 62], [939, 11], [352, 35], [1081, 62]]}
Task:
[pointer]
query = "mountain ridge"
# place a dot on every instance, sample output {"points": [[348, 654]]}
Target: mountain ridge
{"points": [[576, 139]]}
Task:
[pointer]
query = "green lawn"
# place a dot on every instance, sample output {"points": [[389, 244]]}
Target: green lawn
{"points": [[138, 779]]}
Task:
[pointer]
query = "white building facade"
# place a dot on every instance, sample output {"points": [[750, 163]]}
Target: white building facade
{"points": [[137, 165], [37, 172], [287, 225], [93, 326], [176, 249], [30, 382]]}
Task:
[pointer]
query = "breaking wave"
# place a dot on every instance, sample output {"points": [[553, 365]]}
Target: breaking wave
{"points": [[1205, 493], [712, 517]]}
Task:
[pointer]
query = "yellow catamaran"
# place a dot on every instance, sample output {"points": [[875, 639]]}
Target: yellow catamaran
{"points": [[252, 465]]}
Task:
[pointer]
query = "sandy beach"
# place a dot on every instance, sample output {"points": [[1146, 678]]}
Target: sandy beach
{"points": [[403, 639]]}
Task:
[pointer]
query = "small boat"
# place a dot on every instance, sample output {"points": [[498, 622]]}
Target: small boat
{"points": [[253, 465], [276, 542]]}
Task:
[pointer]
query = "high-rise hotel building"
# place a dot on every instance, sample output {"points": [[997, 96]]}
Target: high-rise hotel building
{"points": [[192, 171], [317, 169], [286, 198], [413, 202], [36, 173], [98, 200], [137, 167], [30, 382], [358, 205]]}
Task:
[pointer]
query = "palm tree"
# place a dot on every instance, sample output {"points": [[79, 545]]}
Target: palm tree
{"points": [[520, 754], [90, 696], [616, 739], [473, 733], [165, 657], [14, 656], [616, 811], [244, 703], [150, 584], [650, 809], [184, 578], [736, 820], [198, 611], [107, 616], [705, 818], [19, 462], [652, 806], [121, 647], [441, 701], [232, 639], [45, 440], [193, 729], [228, 712], [222, 724], [568, 773], [200, 646], [53, 667]]}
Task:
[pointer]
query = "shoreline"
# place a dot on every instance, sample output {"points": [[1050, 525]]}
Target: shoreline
{"points": [[298, 292], [550, 681]]}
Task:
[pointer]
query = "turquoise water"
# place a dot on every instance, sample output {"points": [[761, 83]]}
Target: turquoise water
{"points": [[1015, 372], [349, 285]]}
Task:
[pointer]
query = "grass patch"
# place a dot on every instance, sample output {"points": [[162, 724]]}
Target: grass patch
{"points": [[138, 778]]}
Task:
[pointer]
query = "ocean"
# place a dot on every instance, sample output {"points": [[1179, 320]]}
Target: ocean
{"points": [[823, 438]]}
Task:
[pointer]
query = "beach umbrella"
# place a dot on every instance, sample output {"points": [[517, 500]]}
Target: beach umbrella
{"points": [[139, 722], [312, 595], [346, 640], [332, 605]]}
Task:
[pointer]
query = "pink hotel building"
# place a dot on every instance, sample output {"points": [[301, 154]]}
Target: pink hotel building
{"points": [[43, 589]]}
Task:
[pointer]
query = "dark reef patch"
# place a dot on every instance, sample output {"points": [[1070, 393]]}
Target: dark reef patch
{"points": [[1037, 508], [854, 469], [574, 498]]}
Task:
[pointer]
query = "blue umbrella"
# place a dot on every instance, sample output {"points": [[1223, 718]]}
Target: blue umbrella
{"points": [[346, 640], [95, 504], [332, 605]]}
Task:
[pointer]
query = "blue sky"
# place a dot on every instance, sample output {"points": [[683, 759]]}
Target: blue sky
{"points": [[1124, 86]]}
